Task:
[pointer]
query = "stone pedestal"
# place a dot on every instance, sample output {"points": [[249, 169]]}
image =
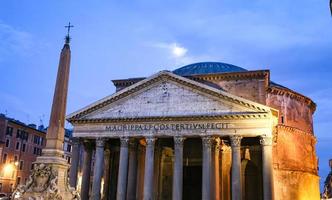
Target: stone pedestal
{"points": [[48, 180]]}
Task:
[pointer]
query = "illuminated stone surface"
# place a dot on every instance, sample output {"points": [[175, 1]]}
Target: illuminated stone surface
{"points": [[276, 155]]}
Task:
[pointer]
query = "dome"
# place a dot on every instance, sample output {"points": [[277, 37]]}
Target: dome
{"points": [[207, 68]]}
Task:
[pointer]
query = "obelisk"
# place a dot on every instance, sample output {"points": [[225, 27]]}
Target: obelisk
{"points": [[49, 178]]}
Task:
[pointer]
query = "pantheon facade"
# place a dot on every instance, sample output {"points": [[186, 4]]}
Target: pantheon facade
{"points": [[206, 131]]}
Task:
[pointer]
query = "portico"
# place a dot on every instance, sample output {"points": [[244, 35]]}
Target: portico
{"points": [[168, 128]]}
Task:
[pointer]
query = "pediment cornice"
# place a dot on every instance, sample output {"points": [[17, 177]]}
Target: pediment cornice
{"points": [[245, 115], [168, 76]]}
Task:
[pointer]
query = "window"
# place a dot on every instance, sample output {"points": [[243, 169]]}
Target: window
{"points": [[0, 187], [9, 131], [282, 120], [18, 180], [31, 167], [23, 147], [37, 151], [18, 133], [21, 165], [38, 140], [4, 159], [7, 143], [15, 158], [25, 136], [68, 159], [17, 145]]}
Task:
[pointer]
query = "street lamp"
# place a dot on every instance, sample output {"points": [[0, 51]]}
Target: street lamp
{"points": [[8, 168]]}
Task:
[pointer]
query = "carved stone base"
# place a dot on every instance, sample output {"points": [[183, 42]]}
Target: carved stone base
{"points": [[47, 181]]}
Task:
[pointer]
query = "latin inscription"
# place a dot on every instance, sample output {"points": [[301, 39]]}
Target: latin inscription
{"points": [[165, 127]]}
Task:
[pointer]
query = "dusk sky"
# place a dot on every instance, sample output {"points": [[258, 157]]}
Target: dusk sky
{"points": [[123, 39]]}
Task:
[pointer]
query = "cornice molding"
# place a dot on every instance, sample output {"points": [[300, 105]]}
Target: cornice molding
{"points": [[257, 74], [292, 94]]}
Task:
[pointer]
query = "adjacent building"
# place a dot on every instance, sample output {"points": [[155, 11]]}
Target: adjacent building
{"points": [[19, 147], [68, 145], [20, 144]]}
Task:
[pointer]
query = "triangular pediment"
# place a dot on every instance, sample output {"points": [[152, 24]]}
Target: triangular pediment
{"points": [[167, 95]]}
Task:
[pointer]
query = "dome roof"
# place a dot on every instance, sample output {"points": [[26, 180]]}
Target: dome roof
{"points": [[207, 68]]}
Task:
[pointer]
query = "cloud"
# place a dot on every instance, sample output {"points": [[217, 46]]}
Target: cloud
{"points": [[13, 40], [177, 50], [174, 49]]}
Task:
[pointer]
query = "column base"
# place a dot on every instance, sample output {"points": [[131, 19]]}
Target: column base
{"points": [[48, 180]]}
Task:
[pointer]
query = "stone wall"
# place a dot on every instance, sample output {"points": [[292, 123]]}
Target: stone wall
{"points": [[251, 89], [295, 150], [295, 185], [295, 165]]}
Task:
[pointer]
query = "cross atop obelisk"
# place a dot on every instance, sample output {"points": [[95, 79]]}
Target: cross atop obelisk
{"points": [[68, 27]]}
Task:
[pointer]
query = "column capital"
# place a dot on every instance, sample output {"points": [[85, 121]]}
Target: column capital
{"points": [[178, 141], [87, 144], [133, 144], [265, 140], [76, 141], [207, 141], [150, 141], [100, 142], [235, 140], [216, 144], [124, 141]]}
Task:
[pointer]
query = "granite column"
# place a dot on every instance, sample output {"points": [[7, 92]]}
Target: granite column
{"points": [[123, 169], [98, 168], [206, 167], [268, 189], [236, 167], [87, 158], [74, 163], [107, 168], [178, 168], [215, 170], [132, 170], [149, 168]]}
